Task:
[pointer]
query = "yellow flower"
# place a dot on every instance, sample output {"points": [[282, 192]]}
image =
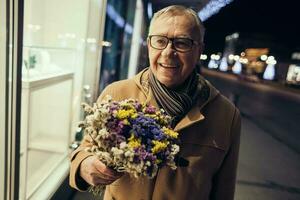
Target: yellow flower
{"points": [[170, 132], [127, 106], [158, 161], [134, 142], [134, 115], [153, 116], [124, 114], [158, 146], [126, 122]]}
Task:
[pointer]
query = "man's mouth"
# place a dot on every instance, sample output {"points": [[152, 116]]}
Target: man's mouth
{"points": [[165, 65]]}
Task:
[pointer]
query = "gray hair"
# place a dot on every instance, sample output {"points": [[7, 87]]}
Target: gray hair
{"points": [[178, 10]]}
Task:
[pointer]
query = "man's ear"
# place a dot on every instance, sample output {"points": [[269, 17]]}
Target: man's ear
{"points": [[148, 43], [201, 48], [200, 51]]}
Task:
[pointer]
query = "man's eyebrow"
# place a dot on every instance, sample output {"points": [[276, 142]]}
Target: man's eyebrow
{"points": [[159, 34], [184, 36]]}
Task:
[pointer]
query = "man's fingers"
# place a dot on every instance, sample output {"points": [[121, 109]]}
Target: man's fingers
{"points": [[100, 175], [106, 172], [94, 172], [101, 181]]}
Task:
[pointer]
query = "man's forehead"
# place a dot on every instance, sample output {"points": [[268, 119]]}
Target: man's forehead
{"points": [[182, 25], [175, 19]]}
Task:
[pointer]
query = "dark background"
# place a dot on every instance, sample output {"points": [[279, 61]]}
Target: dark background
{"points": [[273, 24]]}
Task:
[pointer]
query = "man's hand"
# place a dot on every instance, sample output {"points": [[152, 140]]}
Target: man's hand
{"points": [[94, 172]]}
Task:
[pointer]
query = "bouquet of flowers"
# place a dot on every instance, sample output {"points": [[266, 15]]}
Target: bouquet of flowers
{"points": [[130, 137]]}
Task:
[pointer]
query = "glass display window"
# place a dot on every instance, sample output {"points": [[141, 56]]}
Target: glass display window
{"points": [[61, 48], [118, 37], [54, 67], [2, 94]]}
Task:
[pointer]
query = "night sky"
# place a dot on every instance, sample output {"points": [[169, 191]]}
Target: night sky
{"points": [[273, 22]]}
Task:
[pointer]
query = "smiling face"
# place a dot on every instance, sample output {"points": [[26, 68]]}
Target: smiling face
{"points": [[169, 66]]}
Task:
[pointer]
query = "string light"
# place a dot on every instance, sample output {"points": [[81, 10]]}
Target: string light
{"points": [[213, 7]]}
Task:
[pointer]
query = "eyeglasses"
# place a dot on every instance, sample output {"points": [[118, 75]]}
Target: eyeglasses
{"points": [[180, 44]]}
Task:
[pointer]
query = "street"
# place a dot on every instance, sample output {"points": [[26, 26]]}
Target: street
{"points": [[267, 169]]}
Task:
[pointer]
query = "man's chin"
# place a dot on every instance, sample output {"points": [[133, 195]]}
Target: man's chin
{"points": [[168, 83]]}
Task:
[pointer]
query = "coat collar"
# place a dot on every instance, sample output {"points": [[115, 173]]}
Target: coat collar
{"points": [[193, 116]]}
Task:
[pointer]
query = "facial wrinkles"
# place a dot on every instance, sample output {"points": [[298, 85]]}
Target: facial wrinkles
{"points": [[178, 27], [172, 22], [162, 60], [167, 56], [175, 28]]}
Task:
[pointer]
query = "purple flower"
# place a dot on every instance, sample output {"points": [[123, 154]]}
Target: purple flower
{"points": [[137, 106], [150, 109]]}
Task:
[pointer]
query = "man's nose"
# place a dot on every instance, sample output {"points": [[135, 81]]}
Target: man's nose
{"points": [[169, 50]]}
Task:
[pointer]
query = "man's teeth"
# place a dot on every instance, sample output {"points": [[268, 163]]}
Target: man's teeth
{"points": [[167, 65]]}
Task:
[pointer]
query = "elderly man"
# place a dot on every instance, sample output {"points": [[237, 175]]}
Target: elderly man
{"points": [[208, 124]]}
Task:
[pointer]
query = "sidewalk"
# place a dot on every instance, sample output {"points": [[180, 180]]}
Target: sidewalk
{"points": [[268, 169]]}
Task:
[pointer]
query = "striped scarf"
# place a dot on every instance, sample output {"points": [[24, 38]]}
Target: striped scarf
{"points": [[176, 102]]}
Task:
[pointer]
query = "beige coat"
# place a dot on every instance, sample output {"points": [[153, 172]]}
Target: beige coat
{"points": [[209, 134]]}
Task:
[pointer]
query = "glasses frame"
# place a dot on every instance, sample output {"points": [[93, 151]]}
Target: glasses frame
{"points": [[172, 41]]}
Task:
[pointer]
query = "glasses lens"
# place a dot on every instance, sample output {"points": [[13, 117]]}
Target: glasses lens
{"points": [[183, 44], [159, 42]]}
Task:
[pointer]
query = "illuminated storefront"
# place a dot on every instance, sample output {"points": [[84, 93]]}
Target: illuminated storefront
{"points": [[60, 57], [122, 32], [53, 63]]}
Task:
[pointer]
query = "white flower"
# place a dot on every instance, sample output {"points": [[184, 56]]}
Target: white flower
{"points": [[129, 154], [123, 145], [87, 108], [116, 151], [103, 133], [89, 119], [174, 149], [104, 156], [91, 132], [148, 163]]}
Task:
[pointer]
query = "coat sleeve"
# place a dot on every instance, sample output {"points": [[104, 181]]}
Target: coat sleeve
{"points": [[80, 154], [224, 181]]}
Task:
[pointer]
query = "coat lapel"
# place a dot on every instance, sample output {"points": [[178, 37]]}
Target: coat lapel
{"points": [[141, 79], [193, 116], [151, 99]]}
